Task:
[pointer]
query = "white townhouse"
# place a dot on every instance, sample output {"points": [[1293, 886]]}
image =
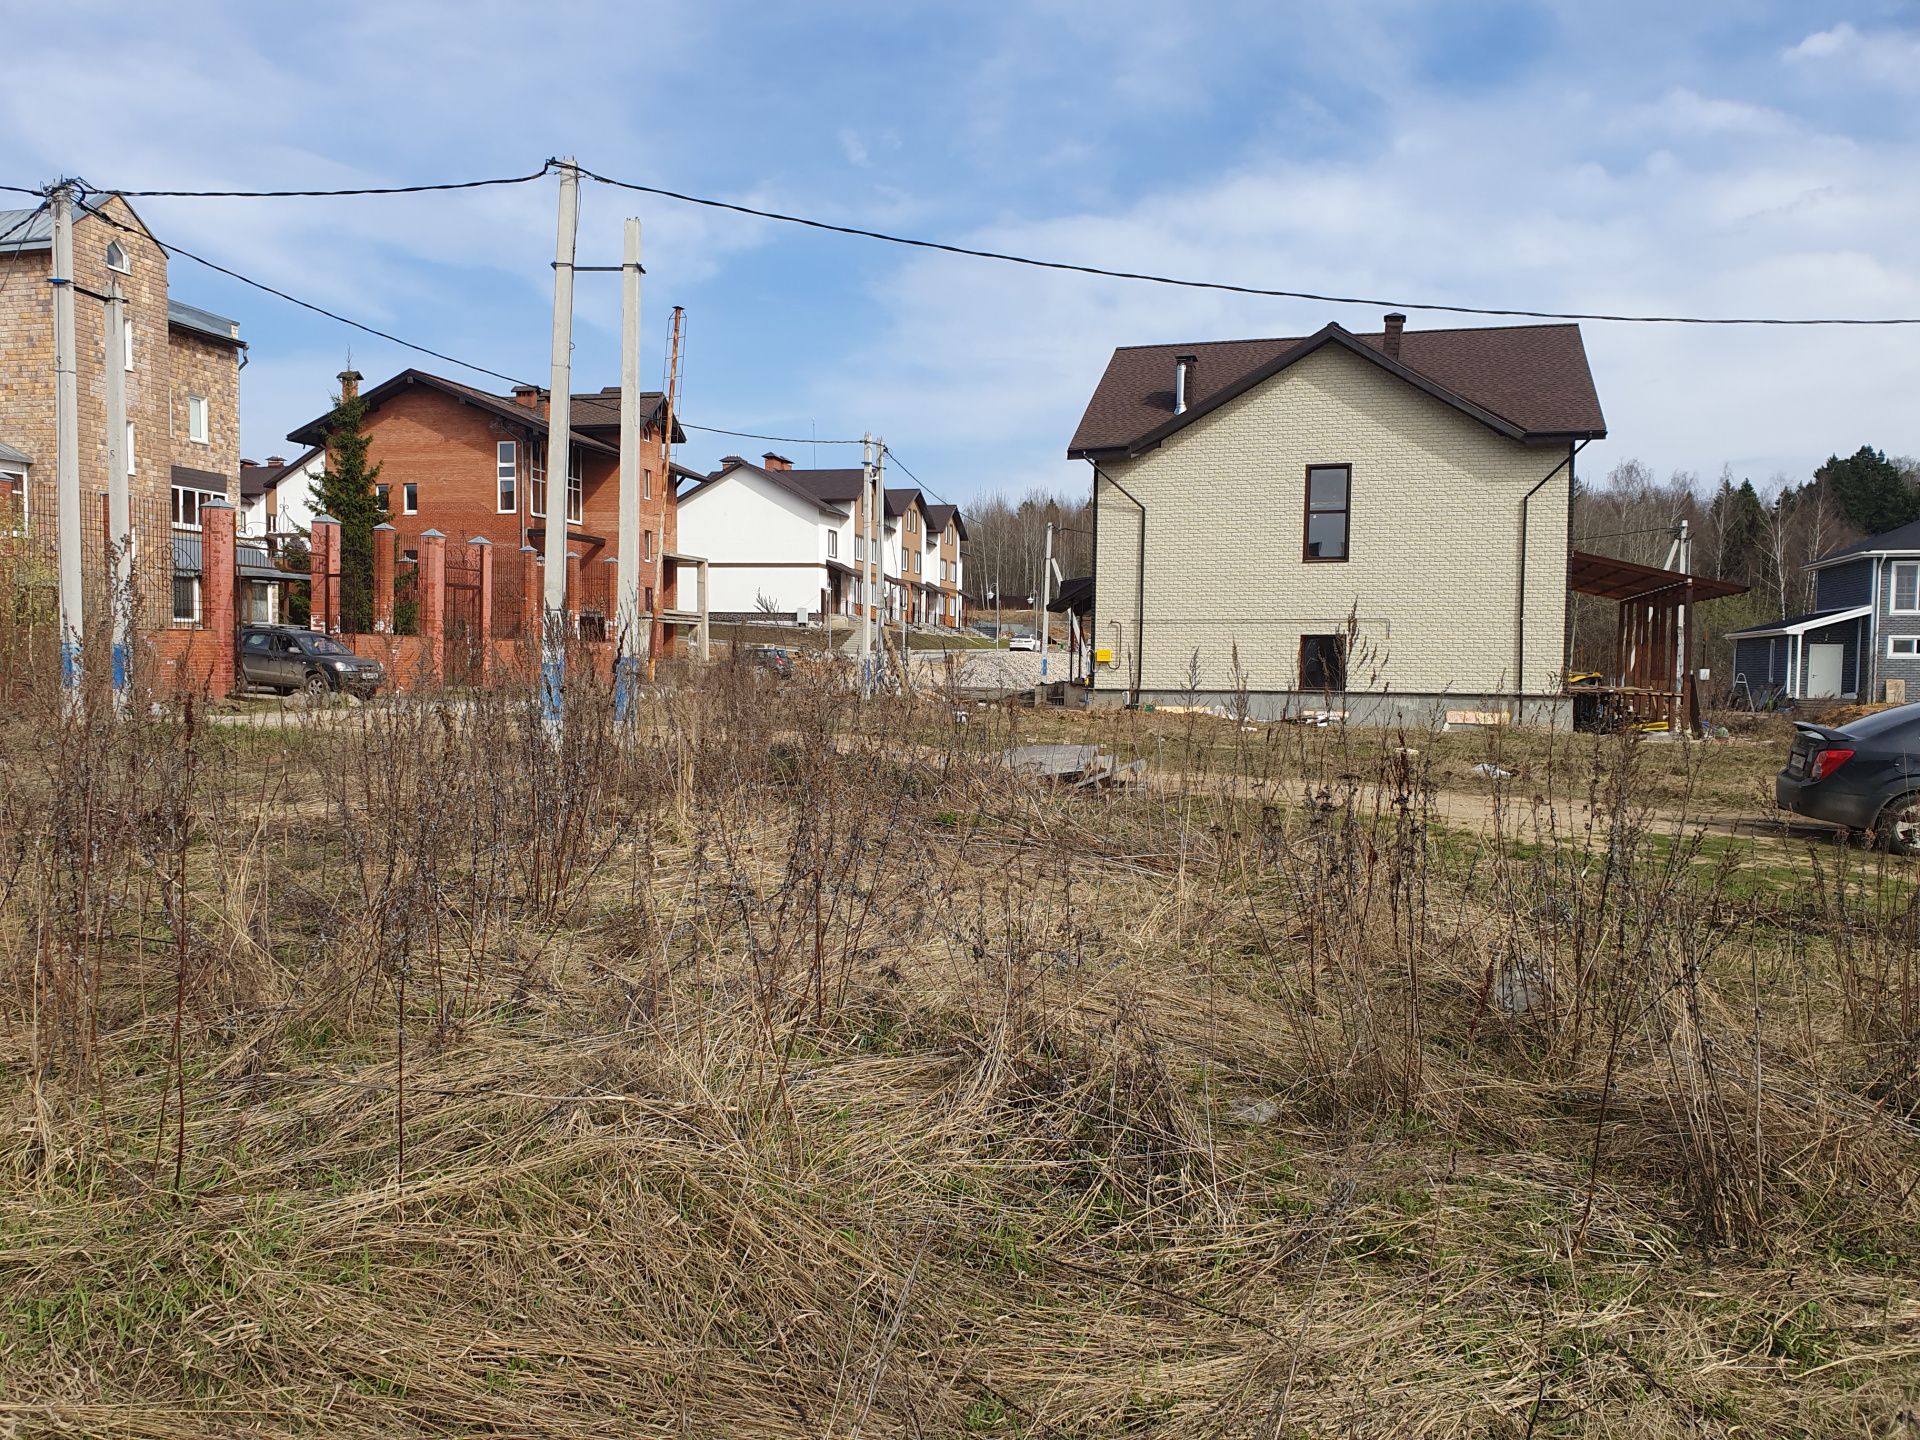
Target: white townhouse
{"points": [[785, 541]]}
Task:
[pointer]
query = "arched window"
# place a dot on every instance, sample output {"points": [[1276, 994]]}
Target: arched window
{"points": [[117, 257]]}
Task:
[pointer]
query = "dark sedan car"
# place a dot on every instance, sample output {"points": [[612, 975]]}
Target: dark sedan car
{"points": [[282, 658], [1864, 775]]}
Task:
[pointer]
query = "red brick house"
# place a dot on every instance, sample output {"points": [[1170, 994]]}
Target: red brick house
{"points": [[472, 465]]}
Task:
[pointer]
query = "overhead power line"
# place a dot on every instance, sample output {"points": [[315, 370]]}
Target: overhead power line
{"points": [[418, 348], [326, 194], [772, 439], [1030, 261], [894, 456], [1149, 278], [307, 304]]}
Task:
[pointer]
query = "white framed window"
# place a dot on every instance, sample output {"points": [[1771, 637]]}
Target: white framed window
{"points": [[916, 562], [197, 419], [384, 493], [646, 484], [646, 544], [833, 544], [117, 258], [536, 481], [126, 343], [410, 498], [576, 492], [187, 500], [1906, 587], [186, 599], [132, 452], [13, 500], [507, 469], [1903, 647]]}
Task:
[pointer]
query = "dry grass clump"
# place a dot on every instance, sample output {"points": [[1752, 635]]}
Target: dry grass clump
{"points": [[785, 1067]]}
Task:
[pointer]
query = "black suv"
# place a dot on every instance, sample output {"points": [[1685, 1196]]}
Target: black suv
{"points": [[283, 659]]}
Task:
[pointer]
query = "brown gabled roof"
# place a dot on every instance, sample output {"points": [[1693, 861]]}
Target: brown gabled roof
{"points": [[601, 411], [1527, 381], [823, 489], [314, 432], [939, 515]]}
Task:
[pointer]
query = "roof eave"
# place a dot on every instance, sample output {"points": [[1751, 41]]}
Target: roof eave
{"points": [[1847, 557]]}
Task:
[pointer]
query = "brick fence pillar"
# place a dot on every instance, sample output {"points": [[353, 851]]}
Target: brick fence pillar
{"points": [[572, 605], [483, 547], [323, 584], [383, 536], [531, 582], [433, 602], [216, 592]]}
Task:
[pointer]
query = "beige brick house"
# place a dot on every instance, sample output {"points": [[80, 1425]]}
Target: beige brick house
{"points": [[182, 367], [1369, 523]]}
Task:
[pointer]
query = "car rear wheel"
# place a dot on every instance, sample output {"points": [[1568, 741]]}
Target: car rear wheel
{"points": [[1898, 828], [317, 686]]}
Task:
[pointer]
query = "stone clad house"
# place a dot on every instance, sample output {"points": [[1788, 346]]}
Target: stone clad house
{"points": [[1863, 631], [1370, 523], [182, 367]]}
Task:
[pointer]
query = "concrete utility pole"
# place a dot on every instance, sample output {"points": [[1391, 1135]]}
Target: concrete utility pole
{"points": [[630, 647], [66, 445], [861, 557], [553, 630], [119, 507], [1046, 580], [877, 521]]}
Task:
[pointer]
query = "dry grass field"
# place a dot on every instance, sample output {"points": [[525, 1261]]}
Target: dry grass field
{"points": [[785, 1067]]}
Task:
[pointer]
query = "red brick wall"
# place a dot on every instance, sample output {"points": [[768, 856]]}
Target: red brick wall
{"points": [[447, 448], [185, 661]]}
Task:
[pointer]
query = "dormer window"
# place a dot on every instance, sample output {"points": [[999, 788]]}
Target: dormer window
{"points": [[117, 257]]}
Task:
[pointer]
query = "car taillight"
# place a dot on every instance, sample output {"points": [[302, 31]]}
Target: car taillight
{"points": [[1828, 761]]}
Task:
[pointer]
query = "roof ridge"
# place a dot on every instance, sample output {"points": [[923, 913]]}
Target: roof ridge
{"points": [[1357, 334]]}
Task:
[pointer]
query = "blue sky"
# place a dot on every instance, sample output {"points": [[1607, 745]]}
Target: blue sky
{"points": [[1713, 158]]}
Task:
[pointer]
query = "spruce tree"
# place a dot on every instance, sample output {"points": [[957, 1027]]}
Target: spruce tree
{"points": [[1870, 490], [345, 491]]}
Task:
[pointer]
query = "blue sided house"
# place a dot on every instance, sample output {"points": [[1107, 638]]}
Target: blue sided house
{"points": [[1864, 632]]}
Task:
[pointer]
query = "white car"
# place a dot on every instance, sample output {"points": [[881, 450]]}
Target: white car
{"points": [[1024, 642]]}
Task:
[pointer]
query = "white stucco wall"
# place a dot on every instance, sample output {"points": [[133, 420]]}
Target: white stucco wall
{"points": [[1434, 543], [759, 539]]}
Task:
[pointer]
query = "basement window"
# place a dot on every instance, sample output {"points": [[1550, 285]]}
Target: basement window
{"points": [[1329, 487], [186, 599], [1323, 662]]}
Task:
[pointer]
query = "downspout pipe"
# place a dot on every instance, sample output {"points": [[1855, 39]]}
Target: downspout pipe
{"points": [[1140, 577], [1520, 633]]}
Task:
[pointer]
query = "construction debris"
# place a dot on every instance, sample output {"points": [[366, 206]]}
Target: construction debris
{"points": [[1081, 766]]}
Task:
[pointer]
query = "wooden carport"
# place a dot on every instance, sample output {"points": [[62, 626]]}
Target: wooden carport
{"points": [[1652, 678]]}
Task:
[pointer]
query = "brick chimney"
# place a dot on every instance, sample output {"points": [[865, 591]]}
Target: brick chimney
{"points": [[276, 460], [776, 462], [349, 384], [1390, 342], [528, 396]]}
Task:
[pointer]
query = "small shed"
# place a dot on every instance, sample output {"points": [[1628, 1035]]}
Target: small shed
{"points": [[1650, 682]]}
